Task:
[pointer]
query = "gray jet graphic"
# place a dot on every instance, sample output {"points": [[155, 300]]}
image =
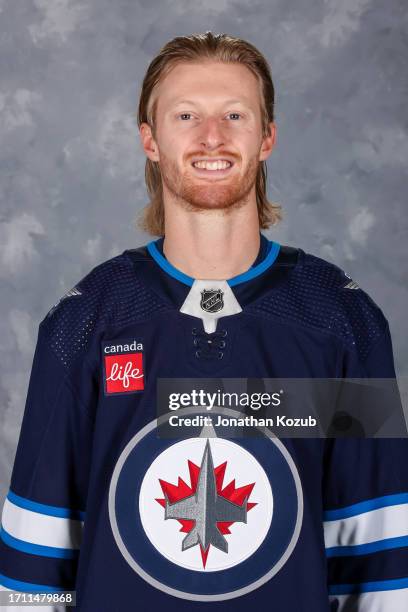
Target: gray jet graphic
{"points": [[206, 508]]}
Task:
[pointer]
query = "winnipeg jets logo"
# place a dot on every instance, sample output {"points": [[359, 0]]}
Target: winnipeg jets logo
{"points": [[205, 518], [206, 510], [212, 300]]}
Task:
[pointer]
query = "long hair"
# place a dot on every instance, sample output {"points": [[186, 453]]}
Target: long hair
{"points": [[218, 47]]}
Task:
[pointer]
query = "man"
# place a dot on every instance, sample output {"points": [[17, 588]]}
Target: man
{"points": [[98, 501]]}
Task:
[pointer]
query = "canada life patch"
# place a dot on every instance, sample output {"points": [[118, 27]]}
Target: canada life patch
{"points": [[205, 518], [123, 367]]}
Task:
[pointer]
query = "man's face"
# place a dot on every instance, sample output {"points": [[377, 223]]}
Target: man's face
{"points": [[208, 139]]}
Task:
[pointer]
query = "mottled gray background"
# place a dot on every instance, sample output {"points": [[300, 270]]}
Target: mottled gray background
{"points": [[72, 168]]}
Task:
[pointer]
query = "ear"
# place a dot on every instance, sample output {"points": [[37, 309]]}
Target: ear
{"points": [[268, 142], [148, 142]]}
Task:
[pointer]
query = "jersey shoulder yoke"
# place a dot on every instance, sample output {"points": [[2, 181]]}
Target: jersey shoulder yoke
{"points": [[320, 295], [112, 293]]}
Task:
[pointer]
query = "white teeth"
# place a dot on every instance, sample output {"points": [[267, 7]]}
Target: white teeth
{"points": [[213, 165]]}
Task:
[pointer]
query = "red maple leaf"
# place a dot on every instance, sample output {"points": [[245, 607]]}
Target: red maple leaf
{"points": [[237, 495]]}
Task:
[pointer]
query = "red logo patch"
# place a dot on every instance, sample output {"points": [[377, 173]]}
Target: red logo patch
{"points": [[124, 372]]}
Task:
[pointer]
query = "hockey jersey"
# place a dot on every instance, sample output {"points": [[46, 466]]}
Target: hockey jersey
{"points": [[100, 504]]}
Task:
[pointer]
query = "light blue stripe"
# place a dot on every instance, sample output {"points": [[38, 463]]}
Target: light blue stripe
{"points": [[27, 504], [27, 587], [366, 506], [368, 587], [259, 269], [365, 549], [37, 549], [167, 266], [235, 280]]}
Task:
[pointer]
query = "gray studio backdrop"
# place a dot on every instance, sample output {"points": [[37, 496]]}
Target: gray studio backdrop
{"points": [[72, 169]]}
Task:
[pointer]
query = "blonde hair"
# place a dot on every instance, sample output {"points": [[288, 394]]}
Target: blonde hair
{"points": [[218, 47]]}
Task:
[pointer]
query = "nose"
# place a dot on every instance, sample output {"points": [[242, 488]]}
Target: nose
{"points": [[211, 133]]}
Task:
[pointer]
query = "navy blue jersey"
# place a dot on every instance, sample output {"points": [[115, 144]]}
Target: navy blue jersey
{"points": [[100, 504]]}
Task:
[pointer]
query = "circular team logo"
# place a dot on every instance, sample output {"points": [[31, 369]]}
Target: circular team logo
{"points": [[199, 504], [202, 518]]}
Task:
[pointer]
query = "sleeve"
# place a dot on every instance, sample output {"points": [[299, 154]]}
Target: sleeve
{"points": [[43, 515], [365, 503]]}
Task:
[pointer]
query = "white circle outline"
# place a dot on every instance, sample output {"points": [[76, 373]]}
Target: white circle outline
{"points": [[198, 596]]}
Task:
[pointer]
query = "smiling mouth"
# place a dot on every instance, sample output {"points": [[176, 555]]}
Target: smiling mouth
{"points": [[217, 164], [217, 168]]}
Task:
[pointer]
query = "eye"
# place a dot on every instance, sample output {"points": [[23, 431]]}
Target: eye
{"points": [[183, 115], [235, 115]]}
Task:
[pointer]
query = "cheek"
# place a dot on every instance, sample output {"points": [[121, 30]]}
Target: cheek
{"points": [[248, 149], [171, 134], [172, 158], [246, 140], [174, 147], [253, 144]]}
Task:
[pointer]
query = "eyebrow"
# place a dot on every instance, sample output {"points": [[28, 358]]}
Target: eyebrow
{"points": [[231, 101]]}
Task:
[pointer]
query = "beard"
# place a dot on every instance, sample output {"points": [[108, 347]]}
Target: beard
{"points": [[196, 194]]}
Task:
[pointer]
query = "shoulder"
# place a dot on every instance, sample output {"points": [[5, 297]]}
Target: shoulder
{"points": [[321, 295], [111, 293], [335, 287], [95, 287]]}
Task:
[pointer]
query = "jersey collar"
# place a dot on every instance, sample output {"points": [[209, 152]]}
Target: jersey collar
{"points": [[267, 262]]}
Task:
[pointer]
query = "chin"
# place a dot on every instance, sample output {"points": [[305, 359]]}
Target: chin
{"points": [[214, 198]]}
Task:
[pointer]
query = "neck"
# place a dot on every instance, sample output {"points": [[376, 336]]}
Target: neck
{"points": [[212, 244]]}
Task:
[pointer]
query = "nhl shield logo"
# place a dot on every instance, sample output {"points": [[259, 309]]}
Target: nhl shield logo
{"points": [[212, 300], [205, 519]]}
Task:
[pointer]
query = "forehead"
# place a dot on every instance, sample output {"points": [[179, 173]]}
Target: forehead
{"points": [[208, 81]]}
